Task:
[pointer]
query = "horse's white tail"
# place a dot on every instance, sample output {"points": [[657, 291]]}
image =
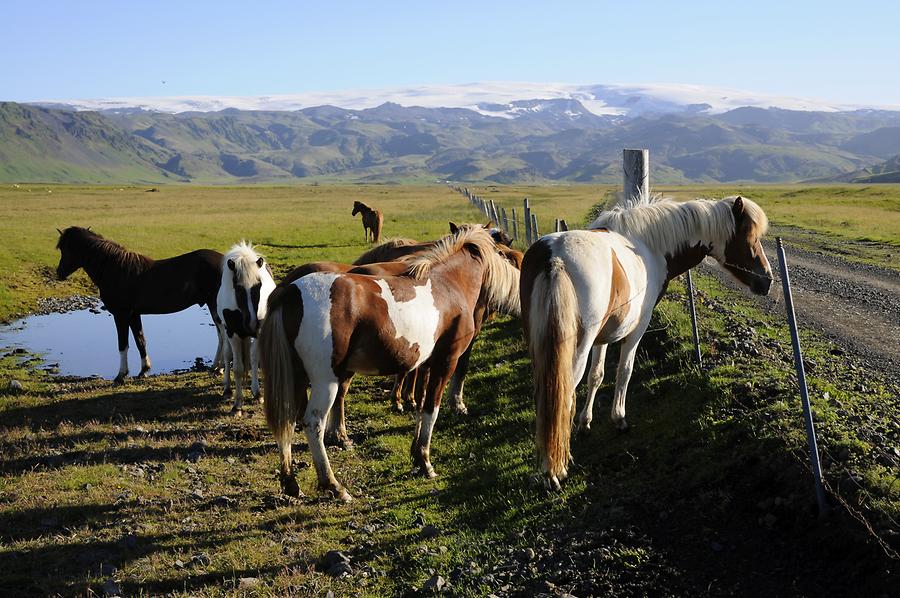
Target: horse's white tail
{"points": [[285, 379], [553, 331]]}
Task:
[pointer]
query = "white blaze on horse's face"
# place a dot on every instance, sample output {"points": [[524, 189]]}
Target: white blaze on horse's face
{"points": [[415, 321]]}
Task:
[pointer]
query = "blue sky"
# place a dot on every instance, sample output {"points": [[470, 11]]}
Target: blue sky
{"points": [[838, 51]]}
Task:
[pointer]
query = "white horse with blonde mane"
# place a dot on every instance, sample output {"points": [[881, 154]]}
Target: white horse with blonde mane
{"points": [[243, 296], [588, 288]]}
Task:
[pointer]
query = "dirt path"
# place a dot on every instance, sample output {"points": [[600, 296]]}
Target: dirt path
{"points": [[856, 306]]}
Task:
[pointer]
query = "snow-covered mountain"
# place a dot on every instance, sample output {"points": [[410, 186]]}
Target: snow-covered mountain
{"points": [[501, 99]]}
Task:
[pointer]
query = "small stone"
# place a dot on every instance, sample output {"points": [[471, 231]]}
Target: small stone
{"points": [[15, 386], [179, 564], [201, 559], [428, 532], [435, 584], [224, 501], [526, 555], [198, 494], [246, 583], [231, 460], [111, 588], [107, 569]]}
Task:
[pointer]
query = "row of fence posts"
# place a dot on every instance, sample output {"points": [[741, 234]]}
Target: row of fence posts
{"points": [[509, 222], [636, 185]]}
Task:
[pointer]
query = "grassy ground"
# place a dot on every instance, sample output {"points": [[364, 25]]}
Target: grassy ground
{"points": [[155, 488]]}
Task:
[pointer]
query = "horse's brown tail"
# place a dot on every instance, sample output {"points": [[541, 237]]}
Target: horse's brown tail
{"points": [[379, 220], [552, 336], [285, 379]]}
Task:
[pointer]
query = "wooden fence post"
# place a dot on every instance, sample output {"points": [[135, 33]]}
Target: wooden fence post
{"points": [[563, 225], [528, 233], [636, 174], [535, 232], [515, 222], [505, 220]]}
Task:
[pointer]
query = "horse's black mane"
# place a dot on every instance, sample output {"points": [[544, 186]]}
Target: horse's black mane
{"points": [[98, 253]]}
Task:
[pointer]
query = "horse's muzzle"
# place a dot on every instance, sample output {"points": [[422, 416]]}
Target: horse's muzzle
{"points": [[761, 284]]}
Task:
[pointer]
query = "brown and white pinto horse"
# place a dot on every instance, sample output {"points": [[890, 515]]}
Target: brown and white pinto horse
{"points": [[132, 284], [326, 326], [588, 288], [371, 220]]}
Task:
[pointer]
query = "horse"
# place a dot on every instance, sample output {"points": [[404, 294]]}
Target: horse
{"points": [[241, 302], [132, 284], [588, 288], [325, 326], [371, 220]]}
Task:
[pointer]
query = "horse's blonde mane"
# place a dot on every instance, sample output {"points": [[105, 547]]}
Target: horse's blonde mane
{"points": [[667, 226], [244, 257], [382, 253], [501, 279]]}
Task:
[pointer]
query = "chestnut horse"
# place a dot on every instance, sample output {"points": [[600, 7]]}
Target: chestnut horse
{"points": [[371, 220], [588, 288], [326, 326], [132, 284], [243, 294]]}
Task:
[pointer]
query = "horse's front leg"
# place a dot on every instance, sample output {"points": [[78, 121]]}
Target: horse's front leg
{"points": [[623, 375], [336, 428], [595, 379], [322, 395], [239, 357], [122, 320], [137, 331], [226, 366], [254, 369], [435, 382], [457, 383]]}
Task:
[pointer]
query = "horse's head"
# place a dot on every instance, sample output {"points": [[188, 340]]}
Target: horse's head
{"points": [[246, 271], [357, 208], [70, 259], [743, 255]]}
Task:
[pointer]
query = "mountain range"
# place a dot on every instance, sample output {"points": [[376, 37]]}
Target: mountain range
{"points": [[573, 133]]}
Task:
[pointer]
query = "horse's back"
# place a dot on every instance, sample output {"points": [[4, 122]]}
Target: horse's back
{"points": [[175, 283]]}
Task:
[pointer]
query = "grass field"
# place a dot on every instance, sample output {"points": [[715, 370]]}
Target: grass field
{"points": [[155, 488]]}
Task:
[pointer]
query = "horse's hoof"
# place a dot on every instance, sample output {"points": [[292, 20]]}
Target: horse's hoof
{"points": [[119, 380], [398, 407], [337, 493], [425, 470], [552, 483], [461, 409], [343, 442], [621, 425], [226, 394], [258, 397], [583, 427], [237, 412], [290, 487]]}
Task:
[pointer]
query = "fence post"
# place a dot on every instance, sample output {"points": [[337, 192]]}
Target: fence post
{"points": [[556, 225], [637, 173], [495, 216], [563, 225], [535, 233], [698, 359], [801, 379], [515, 222], [528, 232], [505, 220]]}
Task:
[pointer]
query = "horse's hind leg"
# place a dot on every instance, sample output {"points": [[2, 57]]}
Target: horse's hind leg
{"points": [[226, 367], [122, 332], [321, 398], [595, 379], [435, 382], [397, 392], [222, 341], [623, 375], [137, 330], [336, 427]]}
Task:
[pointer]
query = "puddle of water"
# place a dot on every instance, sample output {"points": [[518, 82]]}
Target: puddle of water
{"points": [[84, 343]]}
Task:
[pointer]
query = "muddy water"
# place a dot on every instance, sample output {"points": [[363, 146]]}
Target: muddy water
{"points": [[83, 343]]}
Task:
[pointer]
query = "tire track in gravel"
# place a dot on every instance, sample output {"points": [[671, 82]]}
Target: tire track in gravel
{"points": [[856, 306]]}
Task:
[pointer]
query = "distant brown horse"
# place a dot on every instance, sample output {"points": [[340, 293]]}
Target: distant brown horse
{"points": [[326, 326], [371, 220], [132, 284]]}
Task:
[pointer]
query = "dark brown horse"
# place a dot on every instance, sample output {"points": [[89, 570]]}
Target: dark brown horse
{"points": [[326, 326], [371, 220], [132, 284]]}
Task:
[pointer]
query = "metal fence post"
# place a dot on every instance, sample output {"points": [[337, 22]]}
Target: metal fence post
{"points": [[801, 379], [698, 359]]}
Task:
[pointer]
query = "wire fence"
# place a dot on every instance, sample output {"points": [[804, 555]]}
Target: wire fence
{"points": [[843, 485]]}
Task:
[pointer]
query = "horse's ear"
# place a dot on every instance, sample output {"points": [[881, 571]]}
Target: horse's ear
{"points": [[231, 265], [59, 231], [738, 207], [260, 262], [454, 229]]}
